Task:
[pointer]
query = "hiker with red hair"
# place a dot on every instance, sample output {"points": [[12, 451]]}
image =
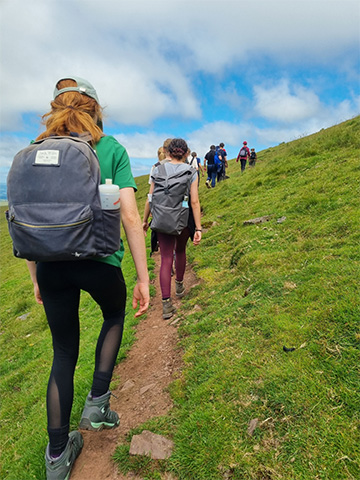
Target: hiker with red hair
{"points": [[75, 110]]}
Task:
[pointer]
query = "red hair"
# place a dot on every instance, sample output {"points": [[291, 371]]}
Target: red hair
{"points": [[73, 112]]}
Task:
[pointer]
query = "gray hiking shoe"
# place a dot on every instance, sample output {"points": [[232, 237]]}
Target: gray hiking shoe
{"points": [[168, 308], [97, 414], [179, 288], [60, 468]]}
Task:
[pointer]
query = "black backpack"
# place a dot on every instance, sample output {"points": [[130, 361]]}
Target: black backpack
{"points": [[54, 203], [211, 157], [253, 155], [243, 152], [169, 202]]}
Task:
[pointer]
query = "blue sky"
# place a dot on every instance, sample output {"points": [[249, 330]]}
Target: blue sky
{"points": [[208, 71]]}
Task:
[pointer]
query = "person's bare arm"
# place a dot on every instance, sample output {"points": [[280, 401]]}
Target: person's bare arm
{"points": [[134, 233], [195, 205], [145, 223], [32, 270]]}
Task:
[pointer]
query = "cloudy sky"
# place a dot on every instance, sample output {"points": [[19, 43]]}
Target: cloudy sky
{"points": [[208, 71]]}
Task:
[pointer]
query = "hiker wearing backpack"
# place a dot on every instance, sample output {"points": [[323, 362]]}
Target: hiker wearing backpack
{"points": [[243, 155], [209, 159], [195, 162], [175, 209], [75, 110], [218, 162], [221, 174], [253, 157], [163, 156]]}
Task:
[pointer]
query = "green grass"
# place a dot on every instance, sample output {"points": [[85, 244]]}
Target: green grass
{"points": [[263, 286]]}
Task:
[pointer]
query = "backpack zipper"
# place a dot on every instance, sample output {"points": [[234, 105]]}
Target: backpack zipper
{"points": [[64, 225]]}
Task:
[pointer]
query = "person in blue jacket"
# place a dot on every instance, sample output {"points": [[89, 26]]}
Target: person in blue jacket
{"points": [[209, 159], [221, 174]]}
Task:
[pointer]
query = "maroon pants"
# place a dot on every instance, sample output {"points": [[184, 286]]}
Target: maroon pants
{"points": [[170, 244]]}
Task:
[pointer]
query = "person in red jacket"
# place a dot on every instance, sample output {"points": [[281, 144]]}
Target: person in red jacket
{"points": [[244, 154]]}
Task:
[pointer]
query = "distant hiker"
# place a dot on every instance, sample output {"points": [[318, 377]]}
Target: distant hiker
{"points": [[75, 110], [221, 174], [209, 163], [163, 155], [218, 162], [243, 155], [192, 160], [175, 207], [195, 162], [253, 157], [160, 153]]}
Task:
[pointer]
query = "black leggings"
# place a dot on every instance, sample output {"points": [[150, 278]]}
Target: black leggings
{"points": [[60, 285]]}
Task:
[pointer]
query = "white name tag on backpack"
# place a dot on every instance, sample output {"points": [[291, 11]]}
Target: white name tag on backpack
{"points": [[47, 157]]}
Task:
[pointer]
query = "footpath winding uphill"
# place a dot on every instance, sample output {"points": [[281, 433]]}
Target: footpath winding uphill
{"points": [[151, 365]]}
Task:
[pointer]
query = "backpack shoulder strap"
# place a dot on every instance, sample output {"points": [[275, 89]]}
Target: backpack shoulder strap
{"points": [[189, 170], [162, 169]]}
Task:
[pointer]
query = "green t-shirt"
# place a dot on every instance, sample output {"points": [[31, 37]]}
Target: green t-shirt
{"points": [[114, 164]]}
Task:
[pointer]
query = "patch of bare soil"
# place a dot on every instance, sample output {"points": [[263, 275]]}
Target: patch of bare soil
{"points": [[151, 365]]}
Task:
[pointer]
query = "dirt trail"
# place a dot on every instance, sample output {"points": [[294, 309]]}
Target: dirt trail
{"points": [[150, 366]]}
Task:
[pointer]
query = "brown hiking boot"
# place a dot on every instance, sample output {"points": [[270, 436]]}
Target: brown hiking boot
{"points": [[179, 288], [168, 308]]}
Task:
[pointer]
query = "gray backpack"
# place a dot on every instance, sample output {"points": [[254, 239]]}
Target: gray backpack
{"points": [[243, 152], [54, 203], [169, 203]]}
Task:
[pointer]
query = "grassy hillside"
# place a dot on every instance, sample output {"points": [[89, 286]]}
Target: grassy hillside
{"points": [[292, 283]]}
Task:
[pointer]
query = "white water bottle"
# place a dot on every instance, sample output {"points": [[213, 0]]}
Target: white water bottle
{"points": [[109, 195]]}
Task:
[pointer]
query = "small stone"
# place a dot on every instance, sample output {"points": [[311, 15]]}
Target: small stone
{"points": [[252, 425], [128, 385], [247, 291], [145, 389], [174, 322], [152, 445], [255, 221]]}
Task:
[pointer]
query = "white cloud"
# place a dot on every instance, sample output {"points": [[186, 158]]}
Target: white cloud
{"points": [[231, 134], [346, 110], [139, 98], [219, 131], [157, 62], [142, 145], [230, 96], [143, 60], [326, 117], [285, 103], [131, 73], [9, 146]]}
